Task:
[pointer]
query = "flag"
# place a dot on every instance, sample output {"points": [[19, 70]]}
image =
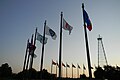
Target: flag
{"points": [[92, 68], [40, 38], [67, 65], [53, 62], [34, 56], [73, 66], [84, 67], [66, 26], [50, 32], [87, 20], [78, 66], [63, 64], [31, 47]]}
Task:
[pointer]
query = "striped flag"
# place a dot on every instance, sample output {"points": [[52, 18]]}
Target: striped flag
{"points": [[87, 20]]}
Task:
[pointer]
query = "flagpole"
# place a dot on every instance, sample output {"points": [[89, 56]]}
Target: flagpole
{"points": [[51, 68], [28, 60], [79, 74], [26, 55], [66, 69], [60, 48], [83, 68], [77, 71], [72, 70], [35, 36], [56, 68], [87, 47], [31, 64], [29, 52], [42, 49]]}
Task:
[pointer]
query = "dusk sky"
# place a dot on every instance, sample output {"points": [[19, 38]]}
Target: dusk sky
{"points": [[19, 18]]}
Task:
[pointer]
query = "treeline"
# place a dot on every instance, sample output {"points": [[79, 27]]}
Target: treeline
{"points": [[107, 72], [6, 73]]}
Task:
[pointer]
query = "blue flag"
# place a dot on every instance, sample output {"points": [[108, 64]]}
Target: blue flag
{"points": [[50, 32], [87, 20]]}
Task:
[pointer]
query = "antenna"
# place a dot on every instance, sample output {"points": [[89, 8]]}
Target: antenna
{"points": [[101, 52]]}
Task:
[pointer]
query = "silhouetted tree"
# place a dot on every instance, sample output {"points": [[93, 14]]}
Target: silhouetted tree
{"points": [[83, 76], [26, 74], [5, 70], [46, 75], [99, 73], [108, 72], [32, 73], [111, 73]]}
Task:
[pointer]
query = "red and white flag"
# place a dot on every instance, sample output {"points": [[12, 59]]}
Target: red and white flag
{"points": [[66, 26]]}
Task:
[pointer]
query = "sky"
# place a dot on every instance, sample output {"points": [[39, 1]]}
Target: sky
{"points": [[19, 18]]}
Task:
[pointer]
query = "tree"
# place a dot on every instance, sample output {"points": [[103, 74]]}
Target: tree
{"points": [[5, 70], [99, 73]]}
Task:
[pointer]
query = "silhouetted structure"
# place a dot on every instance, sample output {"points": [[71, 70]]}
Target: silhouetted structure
{"points": [[101, 52]]}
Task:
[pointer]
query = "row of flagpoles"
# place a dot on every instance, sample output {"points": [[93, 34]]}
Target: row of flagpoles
{"points": [[67, 66], [31, 46], [50, 32]]}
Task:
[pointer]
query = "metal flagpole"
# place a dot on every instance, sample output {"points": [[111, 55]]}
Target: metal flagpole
{"points": [[66, 69], [77, 71], [56, 67], [83, 69], [87, 46], [26, 54], [72, 70], [60, 48], [29, 52], [42, 49], [51, 68]]}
